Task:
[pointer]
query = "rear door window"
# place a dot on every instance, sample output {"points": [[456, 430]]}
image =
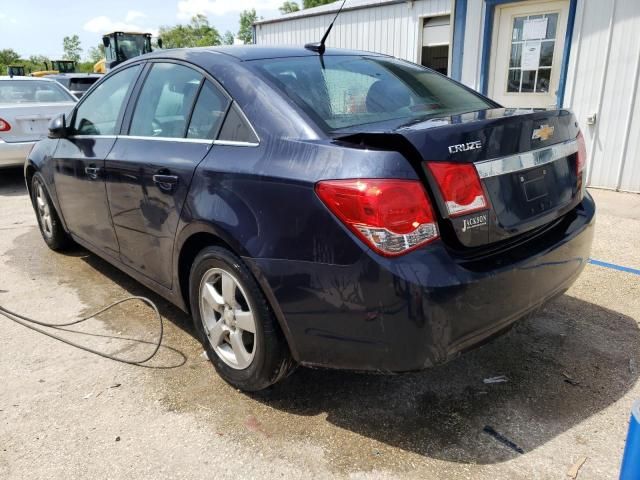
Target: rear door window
{"points": [[346, 91], [165, 101], [237, 129], [208, 113]]}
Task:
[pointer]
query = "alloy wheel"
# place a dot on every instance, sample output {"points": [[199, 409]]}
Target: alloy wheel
{"points": [[44, 211], [227, 318]]}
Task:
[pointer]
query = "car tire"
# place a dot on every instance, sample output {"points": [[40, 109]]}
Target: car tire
{"points": [[50, 225], [227, 304]]}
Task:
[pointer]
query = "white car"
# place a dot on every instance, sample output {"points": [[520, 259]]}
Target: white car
{"points": [[27, 105]]}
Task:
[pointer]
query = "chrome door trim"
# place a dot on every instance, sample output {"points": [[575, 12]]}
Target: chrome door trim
{"points": [[230, 143], [526, 160], [233, 143], [167, 139]]}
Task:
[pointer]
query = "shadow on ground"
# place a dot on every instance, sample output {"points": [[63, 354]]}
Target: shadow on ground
{"points": [[571, 361], [12, 182]]}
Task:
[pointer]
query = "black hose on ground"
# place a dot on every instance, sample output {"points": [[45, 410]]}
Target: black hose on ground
{"points": [[30, 323]]}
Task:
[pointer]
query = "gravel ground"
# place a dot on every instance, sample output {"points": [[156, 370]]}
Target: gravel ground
{"points": [[572, 377]]}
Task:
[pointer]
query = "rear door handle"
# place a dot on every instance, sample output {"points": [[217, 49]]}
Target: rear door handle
{"points": [[165, 182], [92, 172]]}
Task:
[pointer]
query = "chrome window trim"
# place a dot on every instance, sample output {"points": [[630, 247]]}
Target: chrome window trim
{"points": [[233, 143], [93, 136], [168, 139], [228, 143], [526, 160]]}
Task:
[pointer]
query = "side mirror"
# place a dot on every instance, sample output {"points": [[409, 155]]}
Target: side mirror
{"points": [[159, 43], [58, 127], [106, 42]]}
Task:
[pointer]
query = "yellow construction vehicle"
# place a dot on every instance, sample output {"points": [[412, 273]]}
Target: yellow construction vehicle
{"points": [[15, 70], [63, 66], [121, 46], [100, 66], [57, 66]]}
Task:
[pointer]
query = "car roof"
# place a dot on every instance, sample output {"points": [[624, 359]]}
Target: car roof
{"points": [[259, 52], [17, 77]]}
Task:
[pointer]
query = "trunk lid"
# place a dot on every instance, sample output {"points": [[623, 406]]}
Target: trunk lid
{"points": [[526, 162], [30, 122]]}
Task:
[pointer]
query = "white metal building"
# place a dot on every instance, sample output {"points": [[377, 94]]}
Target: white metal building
{"points": [[581, 54]]}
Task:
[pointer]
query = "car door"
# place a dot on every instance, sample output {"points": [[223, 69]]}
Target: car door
{"points": [[173, 123], [79, 160]]}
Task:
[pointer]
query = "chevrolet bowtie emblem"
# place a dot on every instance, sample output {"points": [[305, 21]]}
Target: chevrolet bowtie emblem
{"points": [[545, 132]]}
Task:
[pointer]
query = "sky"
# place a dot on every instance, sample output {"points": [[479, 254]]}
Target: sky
{"points": [[37, 27]]}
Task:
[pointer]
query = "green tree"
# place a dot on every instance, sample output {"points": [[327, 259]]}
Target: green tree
{"points": [[72, 48], [315, 3], [228, 38], [8, 56], [289, 7], [198, 33], [247, 19], [95, 54]]}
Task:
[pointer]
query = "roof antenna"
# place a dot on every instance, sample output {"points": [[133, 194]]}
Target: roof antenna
{"points": [[319, 47]]}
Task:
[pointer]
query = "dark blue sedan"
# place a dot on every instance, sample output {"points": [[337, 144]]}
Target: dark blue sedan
{"points": [[346, 210]]}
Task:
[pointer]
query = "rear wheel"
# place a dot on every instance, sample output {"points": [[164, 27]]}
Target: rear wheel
{"points": [[238, 331], [50, 226]]}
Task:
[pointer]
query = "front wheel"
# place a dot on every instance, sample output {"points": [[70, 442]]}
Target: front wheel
{"points": [[238, 330], [50, 225]]}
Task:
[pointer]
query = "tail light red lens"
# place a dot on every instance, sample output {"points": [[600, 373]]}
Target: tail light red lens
{"points": [[581, 158], [460, 187], [390, 216], [4, 126], [581, 161]]}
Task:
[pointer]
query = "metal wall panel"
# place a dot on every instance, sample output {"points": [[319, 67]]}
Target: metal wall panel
{"points": [[393, 29], [603, 79]]}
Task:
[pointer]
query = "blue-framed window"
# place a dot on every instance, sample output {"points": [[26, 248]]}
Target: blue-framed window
{"points": [[490, 5]]}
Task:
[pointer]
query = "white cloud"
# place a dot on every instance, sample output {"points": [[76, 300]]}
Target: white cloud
{"points": [[132, 15], [104, 24], [189, 8]]}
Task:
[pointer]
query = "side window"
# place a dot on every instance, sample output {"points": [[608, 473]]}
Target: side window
{"points": [[208, 113], [99, 111], [165, 101], [236, 128]]}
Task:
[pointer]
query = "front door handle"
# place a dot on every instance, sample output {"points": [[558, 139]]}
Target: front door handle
{"points": [[92, 172], [165, 182]]}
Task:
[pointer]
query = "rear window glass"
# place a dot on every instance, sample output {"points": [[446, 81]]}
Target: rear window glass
{"points": [[349, 91], [81, 84], [32, 91]]}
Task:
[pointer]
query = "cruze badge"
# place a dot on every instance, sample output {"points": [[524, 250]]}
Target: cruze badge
{"points": [[545, 132], [465, 147]]}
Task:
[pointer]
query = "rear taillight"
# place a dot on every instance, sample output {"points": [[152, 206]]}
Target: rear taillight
{"points": [[390, 216], [4, 126], [460, 187], [581, 160]]}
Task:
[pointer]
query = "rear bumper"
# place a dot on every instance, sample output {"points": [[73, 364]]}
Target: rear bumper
{"points": [[424, 308], [14, 154]]}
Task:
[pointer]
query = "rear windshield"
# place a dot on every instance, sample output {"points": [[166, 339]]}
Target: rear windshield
{"points": [[350, 91], [32, 91], [81, 84]]}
